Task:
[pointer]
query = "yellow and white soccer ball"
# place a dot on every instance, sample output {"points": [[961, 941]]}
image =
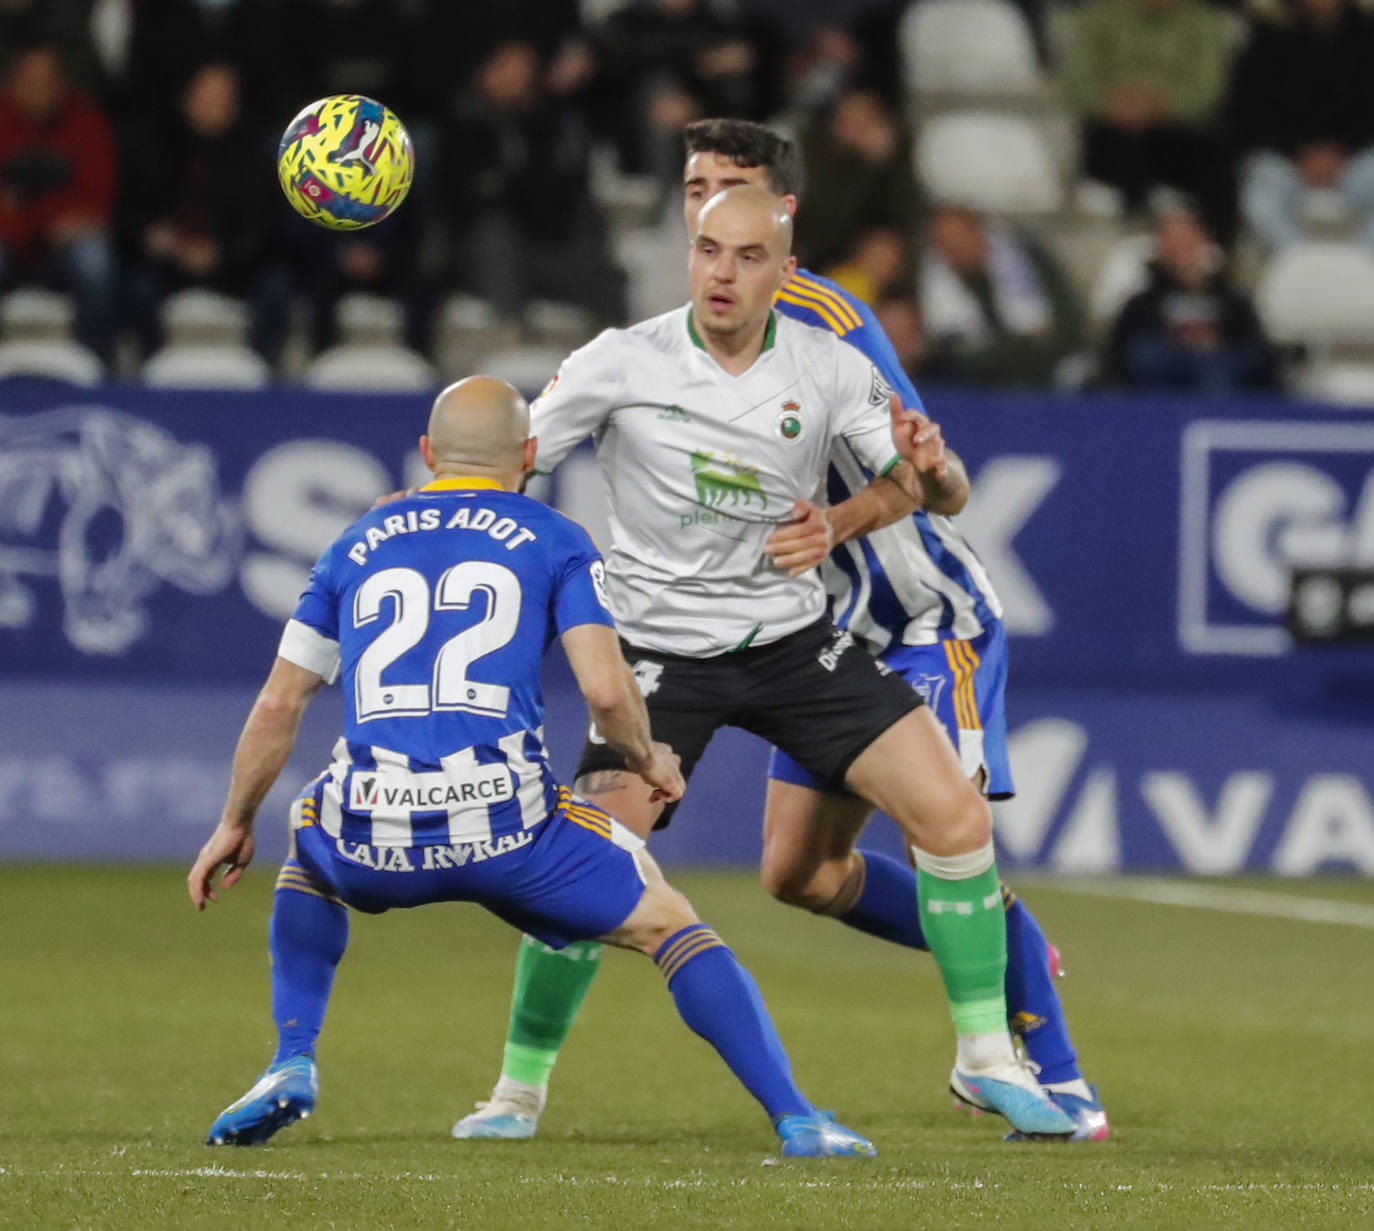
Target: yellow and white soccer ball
{"points": [[345, 162]]}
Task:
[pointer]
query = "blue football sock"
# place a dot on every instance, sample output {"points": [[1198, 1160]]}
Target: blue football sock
{"points": [[307, 937], [718, 999], [1032, 1003], [886, 906]]}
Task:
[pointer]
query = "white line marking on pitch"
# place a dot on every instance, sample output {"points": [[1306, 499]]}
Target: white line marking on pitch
{"points": [[1232, 901], [702, 1182]]}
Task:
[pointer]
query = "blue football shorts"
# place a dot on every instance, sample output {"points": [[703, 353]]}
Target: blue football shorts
{"points": [[572, 877], [965, 684]]}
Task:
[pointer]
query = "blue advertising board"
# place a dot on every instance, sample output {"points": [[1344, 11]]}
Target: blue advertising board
{"points": [[152, 543]]}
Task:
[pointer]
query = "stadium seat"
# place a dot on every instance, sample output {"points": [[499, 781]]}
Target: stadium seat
{"points": [[1346, 383], [968, 47], [558, 323], [31, 312], [1319, 292], [994, 160], [51, 359], [1122, 274], [204, 316], [206, 365], [654, 260], [371, 367], [528, 368]]}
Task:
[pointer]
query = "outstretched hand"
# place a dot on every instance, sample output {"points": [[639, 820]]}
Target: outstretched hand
{"points": [[802, 542], [230, 848], [918, 439]]}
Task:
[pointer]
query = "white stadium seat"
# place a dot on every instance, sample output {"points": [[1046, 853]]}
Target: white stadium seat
{"points": [[992, 160], [968, 46], [1321, 291], [1339, 383], [371, 367], [206, 365], [32, 312], [528, 368], [1124, 273], [52, 359], [204, 316]]}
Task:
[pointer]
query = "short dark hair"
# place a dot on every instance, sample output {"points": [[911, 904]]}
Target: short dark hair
{"points": [[747, 144]]}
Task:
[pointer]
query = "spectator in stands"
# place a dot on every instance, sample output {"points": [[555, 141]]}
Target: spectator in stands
{"points": [[57, 187], [997, 309], [514, 182], [170, 38], [1190, 330], [859, 176], [662, 64], [900, 316], [1148, 77], [354, 47], [1302, 113], [63, 22], [196, 211], [878, 264]]}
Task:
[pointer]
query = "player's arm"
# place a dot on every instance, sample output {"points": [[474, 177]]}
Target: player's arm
{"points": [[617, 707], [577, 401], [264, 746]]}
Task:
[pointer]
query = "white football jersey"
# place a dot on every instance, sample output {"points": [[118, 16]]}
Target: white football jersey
{"points": [[700, 466]]}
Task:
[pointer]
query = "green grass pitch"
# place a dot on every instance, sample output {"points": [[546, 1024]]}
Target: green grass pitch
{"points": [[1232, 1051]]}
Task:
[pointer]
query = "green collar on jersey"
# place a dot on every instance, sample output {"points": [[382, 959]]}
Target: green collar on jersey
{"points": [[770, 334]]}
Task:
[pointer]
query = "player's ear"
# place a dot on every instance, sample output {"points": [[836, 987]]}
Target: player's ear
{"points": [[531, 452], [789, 203], [789, 267], [427, 451]]}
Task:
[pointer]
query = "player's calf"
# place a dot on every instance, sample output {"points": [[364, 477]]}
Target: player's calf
{"points": [[718, 1000]]}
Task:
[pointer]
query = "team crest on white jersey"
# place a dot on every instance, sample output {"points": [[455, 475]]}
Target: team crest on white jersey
{"points": [[790, 425], [110, 507]]}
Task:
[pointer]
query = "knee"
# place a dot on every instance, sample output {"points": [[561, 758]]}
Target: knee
{"points": [[809, 886], [966, 826], [671, 912]]}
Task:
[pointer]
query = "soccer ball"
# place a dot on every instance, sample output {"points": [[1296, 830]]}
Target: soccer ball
{"points": [[345, 162]]}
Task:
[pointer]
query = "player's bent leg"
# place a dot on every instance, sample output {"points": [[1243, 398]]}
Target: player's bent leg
{"points": [[550, 987], [307, 938], [719, 1000], [912, 772], [809, 861]]}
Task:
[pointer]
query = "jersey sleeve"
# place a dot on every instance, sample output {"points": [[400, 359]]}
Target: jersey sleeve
{"points": [[861, 410], [576, 401], [311, 636], [580, 597]]}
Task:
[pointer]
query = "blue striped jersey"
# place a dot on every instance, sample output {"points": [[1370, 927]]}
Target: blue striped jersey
{"points": [[435, 611], [917, 581]]}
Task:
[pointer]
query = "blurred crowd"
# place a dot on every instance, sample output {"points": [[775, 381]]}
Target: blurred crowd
{"points": [[138, 138]]}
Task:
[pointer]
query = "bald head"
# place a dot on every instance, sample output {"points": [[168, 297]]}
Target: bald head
{"points": [[478, 426], [741, 255], [749, 208]]}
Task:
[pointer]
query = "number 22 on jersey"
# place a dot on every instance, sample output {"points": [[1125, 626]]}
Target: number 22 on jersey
{"points": [[449, 687]]}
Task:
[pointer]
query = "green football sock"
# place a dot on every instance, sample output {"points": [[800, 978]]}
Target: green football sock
{"points": [[550, 985], [967, 931]]}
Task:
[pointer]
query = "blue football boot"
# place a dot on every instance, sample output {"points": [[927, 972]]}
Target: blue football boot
{"points": [[1012, 1091], [285, 1093], [818, 1136], [1088, 1115]]}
